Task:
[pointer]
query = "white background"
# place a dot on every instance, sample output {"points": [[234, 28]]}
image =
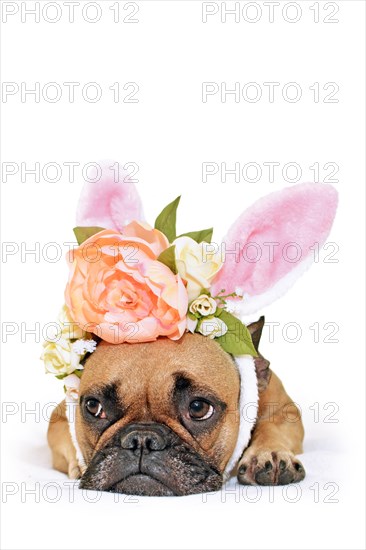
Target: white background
{"points": [[169, 133]]}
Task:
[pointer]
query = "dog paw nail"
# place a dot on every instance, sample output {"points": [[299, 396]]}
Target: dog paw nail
{"points": [[268, 466], [282, 465], [298, 467]]}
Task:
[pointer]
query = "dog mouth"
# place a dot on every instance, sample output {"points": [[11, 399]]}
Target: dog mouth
{"points": [[157, 477], [178, 471]]}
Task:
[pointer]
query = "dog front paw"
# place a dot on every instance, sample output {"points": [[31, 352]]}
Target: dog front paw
{"points": [[74, 471], [270, 468]]}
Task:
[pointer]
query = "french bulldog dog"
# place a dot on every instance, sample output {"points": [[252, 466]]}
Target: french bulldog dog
{"points": [[165, 417], [161, 418]]}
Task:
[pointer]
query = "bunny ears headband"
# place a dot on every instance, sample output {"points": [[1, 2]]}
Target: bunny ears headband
{"points": [[130, 282]]}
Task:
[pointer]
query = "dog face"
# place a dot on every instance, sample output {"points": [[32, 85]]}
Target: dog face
{"points": [[159, 418]]}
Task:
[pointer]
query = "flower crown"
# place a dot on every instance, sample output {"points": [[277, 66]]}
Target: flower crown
{"points": [[130, 282], [139, 284]]}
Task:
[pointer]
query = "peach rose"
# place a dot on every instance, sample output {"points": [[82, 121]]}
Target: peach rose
{"points": [[116, 283]]}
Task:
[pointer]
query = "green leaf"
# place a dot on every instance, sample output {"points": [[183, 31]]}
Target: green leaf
{"points": [[200, 236], [83, 233], [237, 340], [220, 311], [167, 257], [166, 221]]}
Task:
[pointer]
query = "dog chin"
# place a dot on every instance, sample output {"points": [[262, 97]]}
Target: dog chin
{"points": [[142, 485]]}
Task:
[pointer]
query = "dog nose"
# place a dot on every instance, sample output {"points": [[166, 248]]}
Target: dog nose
{"points": [[145, 438]]}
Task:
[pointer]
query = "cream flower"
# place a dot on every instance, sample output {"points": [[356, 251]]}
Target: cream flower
{"points": [[191, 324], [196, 264], [60, 358], [61, 354], [204, 305], [72, 383], [69, 329], [212, 327]]}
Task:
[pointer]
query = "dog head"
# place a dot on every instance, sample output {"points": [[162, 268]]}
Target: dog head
{"points": [[159, 418]]}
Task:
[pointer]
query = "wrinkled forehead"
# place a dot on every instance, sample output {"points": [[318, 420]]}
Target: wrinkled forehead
{"points": [[135, 368]]}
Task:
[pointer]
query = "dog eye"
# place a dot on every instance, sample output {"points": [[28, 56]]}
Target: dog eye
{"points": [[199, 409], [95, 408]]}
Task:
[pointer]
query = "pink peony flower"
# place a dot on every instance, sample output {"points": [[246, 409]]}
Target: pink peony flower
{"points": [[118, 289]]}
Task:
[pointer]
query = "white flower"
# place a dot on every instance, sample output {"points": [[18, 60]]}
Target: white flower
{"points": [[204, 305], [233, 307], [84, 346], [212, 327], [90, 346], [79, 347], [60, 358], [196, 264], [72, 383], [239, 291]]}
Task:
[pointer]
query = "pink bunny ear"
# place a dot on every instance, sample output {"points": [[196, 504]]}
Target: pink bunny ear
{"points": [[272, 243], [110, 202]]}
